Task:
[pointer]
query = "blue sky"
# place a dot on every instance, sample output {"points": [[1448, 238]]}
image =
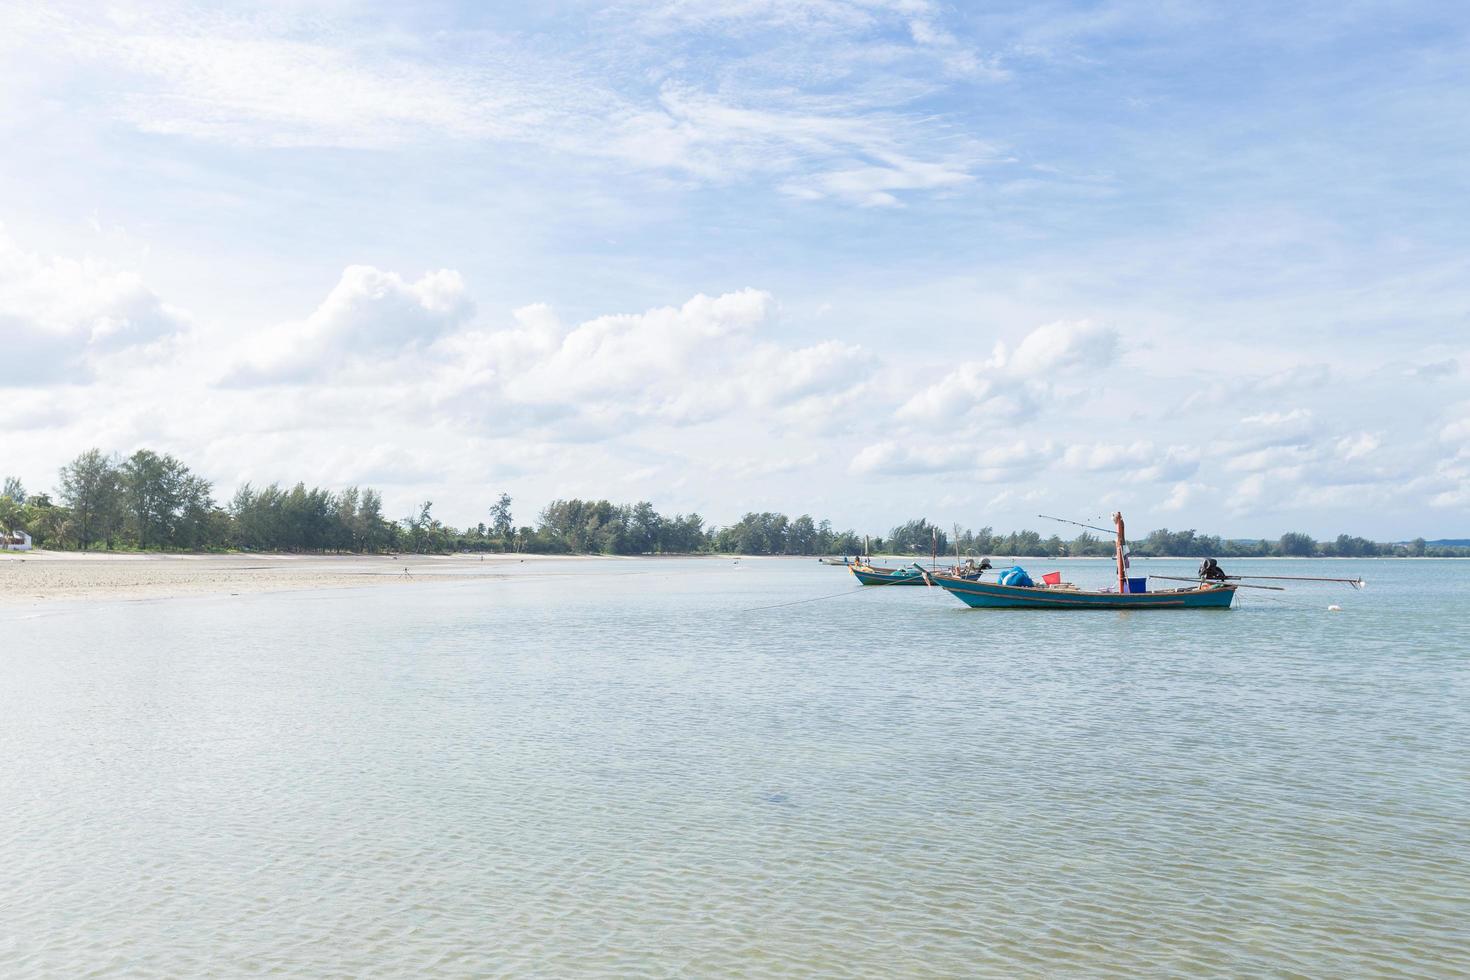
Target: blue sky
{"points": [[872, 259]]}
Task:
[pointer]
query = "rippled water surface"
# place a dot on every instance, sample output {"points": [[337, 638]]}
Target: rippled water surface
{"points": [[617, 767]]}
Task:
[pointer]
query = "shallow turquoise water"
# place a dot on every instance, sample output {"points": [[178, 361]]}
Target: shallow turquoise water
{"points": [[617, 767]]}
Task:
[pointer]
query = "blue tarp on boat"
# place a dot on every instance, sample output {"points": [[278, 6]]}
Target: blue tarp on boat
{"points": [[1016, 575]]}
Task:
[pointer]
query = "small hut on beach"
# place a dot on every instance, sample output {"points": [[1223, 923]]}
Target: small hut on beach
{"points": [[15, 541]]}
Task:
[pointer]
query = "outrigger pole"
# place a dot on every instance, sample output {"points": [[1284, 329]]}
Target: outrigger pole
{"points": [[1176, 578], [1121, 545], [1356, 583], [1090, 527]]}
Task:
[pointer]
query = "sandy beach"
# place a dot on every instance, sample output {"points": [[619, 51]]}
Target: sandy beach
{"points": [[45, 576]]}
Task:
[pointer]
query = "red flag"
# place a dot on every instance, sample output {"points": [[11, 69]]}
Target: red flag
{"points": [[1052, 578]]}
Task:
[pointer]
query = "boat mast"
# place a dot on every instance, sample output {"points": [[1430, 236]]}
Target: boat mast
{"points": [[1122, 561]]}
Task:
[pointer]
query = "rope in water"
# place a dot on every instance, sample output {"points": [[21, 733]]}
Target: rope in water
{"points": [[835, 595]]}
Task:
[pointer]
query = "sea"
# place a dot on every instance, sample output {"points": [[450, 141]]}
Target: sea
{"points": [[710, 767]]}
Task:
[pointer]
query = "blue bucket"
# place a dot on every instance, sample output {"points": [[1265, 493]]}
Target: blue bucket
{"points": [[1136, 585]]}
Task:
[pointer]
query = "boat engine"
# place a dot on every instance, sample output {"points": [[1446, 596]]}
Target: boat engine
{"points": [[1210, 571]]}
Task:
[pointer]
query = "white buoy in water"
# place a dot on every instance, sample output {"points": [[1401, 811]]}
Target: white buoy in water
{"points": [[1334, 608]]}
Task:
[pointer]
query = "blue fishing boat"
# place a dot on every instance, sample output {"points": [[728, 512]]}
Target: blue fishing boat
{"points": [[992, 595], [874, 575], [869, 574], [1015, 590]]}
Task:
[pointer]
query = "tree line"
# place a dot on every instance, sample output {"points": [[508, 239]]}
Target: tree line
{"points": [[153, 501]]}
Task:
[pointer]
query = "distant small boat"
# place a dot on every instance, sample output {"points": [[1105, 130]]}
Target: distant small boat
{"points": [[914, 574], [842, 562]]}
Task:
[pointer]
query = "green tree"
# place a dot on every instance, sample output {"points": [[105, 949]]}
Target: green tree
{"points": [[918, 537], [153, 489], [91, 486], [645, 529], [12, 515], [1296, 545], [500, 518], [801, 537]]}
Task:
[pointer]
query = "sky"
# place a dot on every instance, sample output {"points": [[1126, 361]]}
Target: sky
{"points": [[1207, 263]]}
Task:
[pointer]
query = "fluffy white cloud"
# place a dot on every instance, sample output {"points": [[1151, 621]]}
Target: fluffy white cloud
{"points": [[1010, 387], [61, 317], [1277, 419], [777, 376], [1103, 456], [1181, 494], [1062, 345], [972, 391], [992, 463], [368, 314], [399, 382], [678, 365], [1357, 446], [1456, 432]]}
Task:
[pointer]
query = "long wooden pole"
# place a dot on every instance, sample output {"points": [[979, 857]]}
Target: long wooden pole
{"points": [[1202, 581], [1122, 562], [1354, 582]]}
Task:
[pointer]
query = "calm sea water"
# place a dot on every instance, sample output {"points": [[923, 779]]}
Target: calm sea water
{"points": [[618, 767]]}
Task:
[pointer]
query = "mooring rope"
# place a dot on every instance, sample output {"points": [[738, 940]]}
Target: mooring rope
{"points": [[835, 595]]}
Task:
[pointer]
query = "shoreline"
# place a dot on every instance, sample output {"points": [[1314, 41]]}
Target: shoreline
{"points": [[43, 576], [30, 578]]}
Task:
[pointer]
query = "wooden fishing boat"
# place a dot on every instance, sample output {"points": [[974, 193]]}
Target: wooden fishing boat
{"points": [[876, 575], [1129, 594], [914, 574], [992, 595]]}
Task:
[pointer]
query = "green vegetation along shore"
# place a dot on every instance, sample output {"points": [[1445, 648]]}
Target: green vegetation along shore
{"points": [[150, 501]]}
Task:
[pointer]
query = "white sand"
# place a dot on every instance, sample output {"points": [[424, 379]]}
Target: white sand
{"points": [[42, 576]]}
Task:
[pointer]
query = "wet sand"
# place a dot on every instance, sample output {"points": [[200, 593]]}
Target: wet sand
{"points": [[44, 576]]}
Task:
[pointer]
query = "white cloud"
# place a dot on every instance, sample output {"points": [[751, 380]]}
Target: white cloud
{"points": [[1456, 432], [972, 391], [777, 376], [1101, 456], [647, 357], [1269, 458], [992, 463], [1062, 345], [61, 317], [1276, 419], [1357, 446], [278, 80], [368, 314], [1176, 463], [1181, 494], [1008, 387]]}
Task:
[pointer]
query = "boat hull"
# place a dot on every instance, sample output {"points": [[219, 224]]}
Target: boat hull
{"points": [[875, 577], [989, 595]]}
